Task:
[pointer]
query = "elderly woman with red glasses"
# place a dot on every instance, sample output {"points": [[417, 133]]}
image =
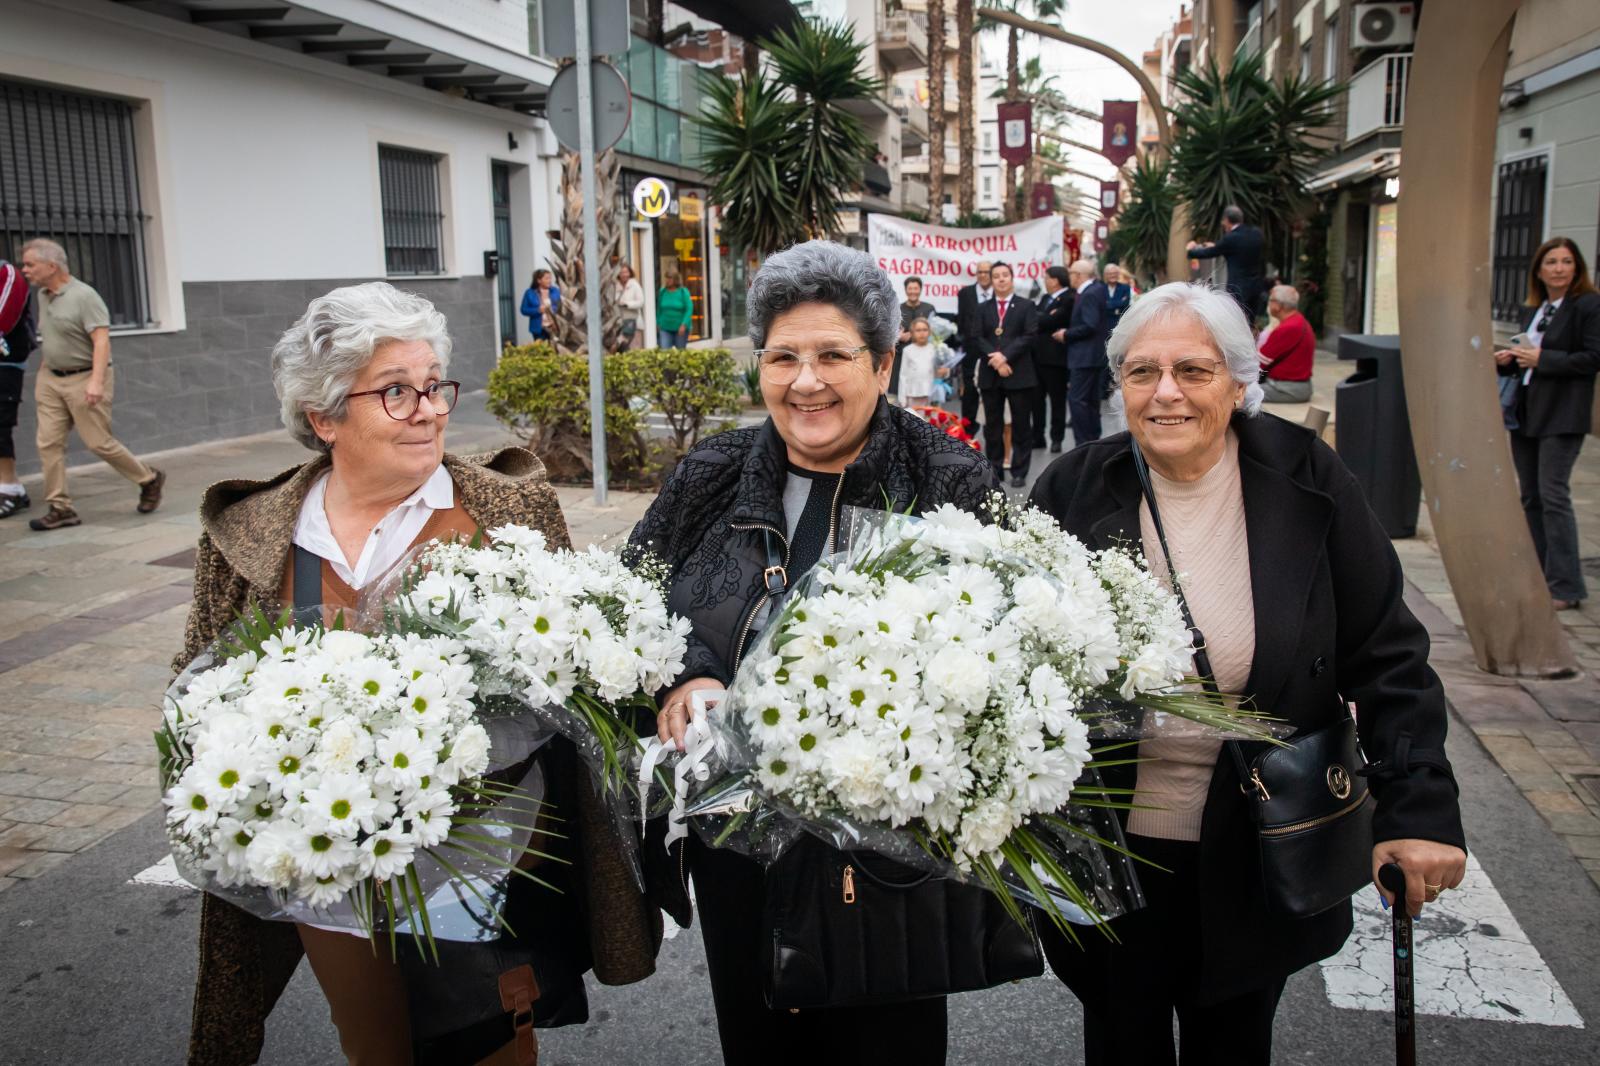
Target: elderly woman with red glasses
{"points": [[743, 517], [1298, 595], [363, 382]]}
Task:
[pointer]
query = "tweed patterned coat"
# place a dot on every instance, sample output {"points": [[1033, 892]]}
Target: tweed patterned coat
{"points": [[245, 546]]}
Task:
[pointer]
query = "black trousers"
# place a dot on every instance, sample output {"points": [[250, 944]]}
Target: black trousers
{"points": [[995, 401], [969, 386], [10, 401], [1052, 387], [1130, 990], [1085, 389], [729, 892], [1544, 474]]}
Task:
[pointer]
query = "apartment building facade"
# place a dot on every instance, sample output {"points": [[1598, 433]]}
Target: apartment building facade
{"points": [[210, 170]]}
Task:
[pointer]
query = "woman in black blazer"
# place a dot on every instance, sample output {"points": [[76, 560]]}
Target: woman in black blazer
{"points": [[1293, 580], [1551, 409]]}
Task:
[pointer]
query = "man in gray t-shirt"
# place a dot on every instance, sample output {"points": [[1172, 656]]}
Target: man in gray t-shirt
{"points": [[75, 383]]}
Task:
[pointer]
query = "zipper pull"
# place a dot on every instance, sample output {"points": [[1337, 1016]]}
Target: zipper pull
{"points": [[849, 884], [1261, 789]]}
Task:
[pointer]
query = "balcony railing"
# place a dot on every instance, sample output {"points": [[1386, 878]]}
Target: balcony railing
{"points": [[1377, 97], [903, 42], [913, 117], [913, 196]]}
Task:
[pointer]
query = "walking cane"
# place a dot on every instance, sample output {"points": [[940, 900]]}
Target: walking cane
{"points": [[1405, 1031]]}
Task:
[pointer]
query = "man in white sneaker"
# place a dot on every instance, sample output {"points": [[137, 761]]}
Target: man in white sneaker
{"points": [[16, 341], [75, 384]]}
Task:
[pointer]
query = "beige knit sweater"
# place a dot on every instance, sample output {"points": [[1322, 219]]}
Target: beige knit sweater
{"points": [[1204, 521]]}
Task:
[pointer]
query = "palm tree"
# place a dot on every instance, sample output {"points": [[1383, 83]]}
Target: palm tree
{"points": [[966, 195], [784, 151], [1040, 9], [1242, 139], [936, 110], [566, 254]]}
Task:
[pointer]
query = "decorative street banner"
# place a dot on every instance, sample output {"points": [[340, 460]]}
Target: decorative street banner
{"points": [[1119, 119], [1016, 132], [1043, 201], [946, 258], [1110, 193]]}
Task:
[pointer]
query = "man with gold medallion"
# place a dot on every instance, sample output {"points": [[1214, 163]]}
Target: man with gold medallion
{"points": [[1006, 374]]}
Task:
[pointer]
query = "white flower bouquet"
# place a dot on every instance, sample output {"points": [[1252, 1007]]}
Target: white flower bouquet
{"points": [[332, 777], [931, 694], [578, 637]]}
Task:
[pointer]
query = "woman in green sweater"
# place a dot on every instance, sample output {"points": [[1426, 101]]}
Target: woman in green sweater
{"points": [[674, 308]]}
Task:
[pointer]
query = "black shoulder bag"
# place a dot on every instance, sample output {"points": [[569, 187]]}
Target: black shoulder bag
{"points": [[847, 929], [1313, 811]]}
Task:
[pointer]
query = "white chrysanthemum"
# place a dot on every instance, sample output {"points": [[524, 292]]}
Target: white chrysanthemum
{"points": [[386, 854], [341, 804], [404, 758], [343, 646], [270, 856]]}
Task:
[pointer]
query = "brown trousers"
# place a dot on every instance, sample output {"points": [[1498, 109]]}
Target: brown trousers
{"points": [[62, 408]]}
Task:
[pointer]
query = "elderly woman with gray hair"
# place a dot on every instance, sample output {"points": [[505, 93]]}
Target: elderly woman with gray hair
{"points": [[1298, 595], [362, 380], [741, 519]]}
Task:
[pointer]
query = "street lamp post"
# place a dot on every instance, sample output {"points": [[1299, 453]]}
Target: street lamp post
{"points": [[1177, 254]]}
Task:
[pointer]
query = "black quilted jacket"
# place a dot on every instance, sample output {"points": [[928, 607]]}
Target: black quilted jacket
{"points": [[711, 520]]}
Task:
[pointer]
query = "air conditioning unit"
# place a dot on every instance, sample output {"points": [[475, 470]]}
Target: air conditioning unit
{"points": [[1383, 25]]}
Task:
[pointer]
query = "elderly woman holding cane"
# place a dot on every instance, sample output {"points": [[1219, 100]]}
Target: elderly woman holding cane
{"points": [[743, 516], [1296, 597], [362, 381]]}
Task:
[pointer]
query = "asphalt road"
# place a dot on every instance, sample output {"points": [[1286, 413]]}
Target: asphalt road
{"points": [[95, 970]]}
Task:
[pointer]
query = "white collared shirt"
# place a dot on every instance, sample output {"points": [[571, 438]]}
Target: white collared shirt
{"points": [[985, 295], [1086, 283], [389, 540]]}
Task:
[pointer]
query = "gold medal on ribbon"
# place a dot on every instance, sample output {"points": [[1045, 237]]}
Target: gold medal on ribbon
{"points": [[999, 330]]}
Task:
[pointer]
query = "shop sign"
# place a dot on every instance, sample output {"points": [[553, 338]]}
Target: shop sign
{"points": [[690, 207], [651, 197]]}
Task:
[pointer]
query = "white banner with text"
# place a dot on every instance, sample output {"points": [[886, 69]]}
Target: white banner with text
{"points": [[946, 258]]}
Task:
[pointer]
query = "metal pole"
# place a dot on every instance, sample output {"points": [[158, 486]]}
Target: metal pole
{"points": [[591, 249]]}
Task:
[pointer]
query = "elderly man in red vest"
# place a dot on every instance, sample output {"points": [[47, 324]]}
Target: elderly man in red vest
{"points": [[1288, 350]]}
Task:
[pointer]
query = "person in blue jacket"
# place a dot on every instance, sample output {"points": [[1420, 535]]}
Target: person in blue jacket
{"points": [[539, 302]]}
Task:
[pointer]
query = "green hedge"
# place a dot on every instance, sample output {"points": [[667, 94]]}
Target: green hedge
{"points": [[545, 394]]}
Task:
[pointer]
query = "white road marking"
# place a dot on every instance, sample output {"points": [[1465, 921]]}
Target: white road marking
{"points": [[1472, 961], [164, 873]]}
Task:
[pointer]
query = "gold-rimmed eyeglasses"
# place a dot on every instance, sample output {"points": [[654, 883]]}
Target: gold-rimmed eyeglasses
{"points": [[831, 365], [400, 402], [1187, 373]]}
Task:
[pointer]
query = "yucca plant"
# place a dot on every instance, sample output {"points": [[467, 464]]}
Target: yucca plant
{"points": [[1243, 139], [1139, 241], [821, 64], [785, 153]]}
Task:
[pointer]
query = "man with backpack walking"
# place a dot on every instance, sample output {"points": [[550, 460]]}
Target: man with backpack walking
{"points": [[16, 342]]}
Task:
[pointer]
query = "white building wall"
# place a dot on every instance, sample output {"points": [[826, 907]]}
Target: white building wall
{"points": [[267, 159], [1564, 123]]}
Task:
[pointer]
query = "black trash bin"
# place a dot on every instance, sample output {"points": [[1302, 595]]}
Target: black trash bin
{"points": [[1373, 430]]}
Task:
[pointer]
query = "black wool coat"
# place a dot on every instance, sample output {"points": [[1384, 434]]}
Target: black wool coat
{"points": [[1055, 312], [1559, 397], [1331, 627], [1017, 336], [711, 522]]}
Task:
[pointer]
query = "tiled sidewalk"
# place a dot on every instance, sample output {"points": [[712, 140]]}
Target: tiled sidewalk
{"points": [[91, 617]]}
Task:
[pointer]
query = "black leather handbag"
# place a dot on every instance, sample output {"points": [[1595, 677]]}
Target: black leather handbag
{"points": [[1313, 810], [851, 929]]}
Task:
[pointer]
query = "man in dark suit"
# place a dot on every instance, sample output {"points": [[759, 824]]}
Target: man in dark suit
{"points": [[968, 301], [1241, 247], [1086, 335], [1006, 375], [1050, 357]]}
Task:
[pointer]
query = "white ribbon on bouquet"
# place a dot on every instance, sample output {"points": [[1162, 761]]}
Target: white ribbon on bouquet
{"points": [[698, 744]]}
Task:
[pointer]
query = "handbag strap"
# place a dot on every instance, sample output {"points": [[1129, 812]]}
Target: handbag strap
{"points": [[1202, 659]]}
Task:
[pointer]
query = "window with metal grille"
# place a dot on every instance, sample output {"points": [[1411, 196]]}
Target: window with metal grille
{"points": [[1518, 229], [68, 172], [413, 223]]}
